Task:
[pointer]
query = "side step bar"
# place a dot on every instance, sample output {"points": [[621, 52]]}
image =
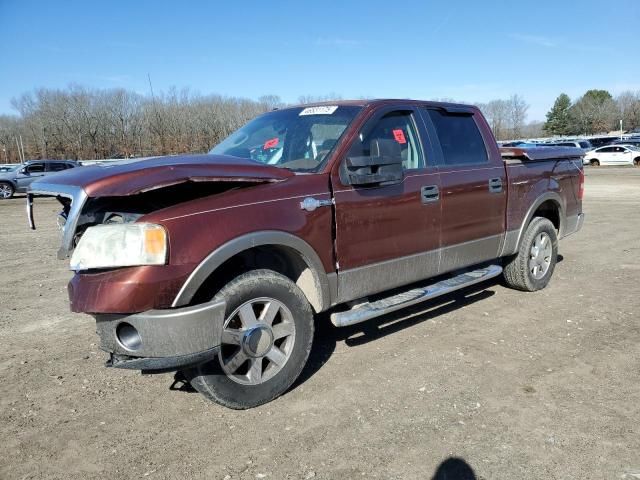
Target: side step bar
{"points": [[366, 311]]}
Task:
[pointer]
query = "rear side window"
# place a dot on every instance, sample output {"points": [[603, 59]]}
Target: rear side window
{"points": [[607, 150], [460, 139], [56, 167]]}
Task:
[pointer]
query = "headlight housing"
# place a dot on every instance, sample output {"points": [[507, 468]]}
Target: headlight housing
{"points": [[121, 245]]}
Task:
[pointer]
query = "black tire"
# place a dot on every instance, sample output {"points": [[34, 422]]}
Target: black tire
{"points": [[6, 190], [517, 270], [594, 162], [636, 162], [211, 380]]}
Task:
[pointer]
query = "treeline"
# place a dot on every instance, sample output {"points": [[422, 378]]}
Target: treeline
{"points": [[84, 123], [597, 111]]}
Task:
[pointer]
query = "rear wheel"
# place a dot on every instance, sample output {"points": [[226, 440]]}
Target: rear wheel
{"points": [[6, 190], [266, 340], [636, 162], [532, 267], [594, 162]]}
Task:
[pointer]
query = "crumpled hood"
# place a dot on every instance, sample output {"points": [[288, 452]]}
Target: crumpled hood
{"points": [[130, 177]]}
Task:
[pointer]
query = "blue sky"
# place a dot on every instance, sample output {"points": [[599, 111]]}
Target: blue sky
{"points": [[465, 50]]}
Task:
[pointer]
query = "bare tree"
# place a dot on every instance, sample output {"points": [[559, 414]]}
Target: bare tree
{"points": [[517, 115], [629, 107]]}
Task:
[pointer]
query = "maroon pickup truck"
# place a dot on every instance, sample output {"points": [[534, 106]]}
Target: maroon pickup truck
{"points": [[215, 265]]}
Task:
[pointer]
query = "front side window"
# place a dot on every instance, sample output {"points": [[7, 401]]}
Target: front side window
{"points": [[35, 168], [397, 127], [460, 138], [298, 139]]}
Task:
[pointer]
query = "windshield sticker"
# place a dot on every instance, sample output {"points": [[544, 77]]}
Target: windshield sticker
{"points": [[322, 110], [399, 136], [270, 143]]}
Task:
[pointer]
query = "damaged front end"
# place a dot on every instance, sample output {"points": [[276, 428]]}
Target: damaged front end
{"points": [[124, 276], [123, 192], [73, 199]]}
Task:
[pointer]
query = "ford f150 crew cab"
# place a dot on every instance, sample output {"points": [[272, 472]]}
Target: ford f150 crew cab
{"points": [[215, 265]]}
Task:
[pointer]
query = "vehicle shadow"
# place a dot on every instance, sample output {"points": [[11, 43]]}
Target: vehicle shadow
{"points": [[327, 336], [454, 468]]}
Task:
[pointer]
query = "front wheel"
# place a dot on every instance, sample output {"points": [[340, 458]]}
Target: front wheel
{"points": [[532, 267], [595, 162], [636, 162], [6, 190], [266, 340]]}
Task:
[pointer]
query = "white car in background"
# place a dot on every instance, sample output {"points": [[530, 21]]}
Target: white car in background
{"points": [[613, 155]]}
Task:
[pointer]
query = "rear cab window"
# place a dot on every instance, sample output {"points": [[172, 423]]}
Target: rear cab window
{"points": [[460, 138]]}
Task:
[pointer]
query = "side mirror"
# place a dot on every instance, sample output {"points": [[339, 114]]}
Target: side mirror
{"points": [[23, 171], [382, 166]]}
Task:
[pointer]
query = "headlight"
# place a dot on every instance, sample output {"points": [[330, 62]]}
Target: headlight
{"points": [[106, 246]]}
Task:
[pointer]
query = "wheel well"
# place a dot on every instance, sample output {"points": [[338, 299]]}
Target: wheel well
{"points": [[549, 210], [284, 260]]}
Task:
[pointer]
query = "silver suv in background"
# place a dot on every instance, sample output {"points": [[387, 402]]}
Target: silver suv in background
{"points": [[18, 179], [585, 145]]}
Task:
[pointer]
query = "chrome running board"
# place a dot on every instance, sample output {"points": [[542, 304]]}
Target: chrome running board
{"points": [[366, 311]]}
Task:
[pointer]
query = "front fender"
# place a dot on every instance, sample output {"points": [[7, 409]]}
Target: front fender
{"points": [[255, 239]]}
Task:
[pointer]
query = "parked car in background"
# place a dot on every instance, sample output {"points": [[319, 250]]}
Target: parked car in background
{"points": [[9, 167], [602, 141], [585, 145], [628, 141], [19, 179], [521, 144], [613, 155]]}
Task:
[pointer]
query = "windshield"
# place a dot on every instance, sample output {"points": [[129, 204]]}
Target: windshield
{"points": [[8, 168], [298, 139]]}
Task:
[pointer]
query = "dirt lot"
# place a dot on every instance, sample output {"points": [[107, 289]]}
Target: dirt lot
{"points": [[542, 385]]}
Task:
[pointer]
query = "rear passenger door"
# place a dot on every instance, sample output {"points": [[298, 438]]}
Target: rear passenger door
{"points": [[473, 186]]}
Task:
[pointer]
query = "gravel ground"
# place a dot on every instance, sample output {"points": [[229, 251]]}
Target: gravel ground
{"points": [[513, 385]]}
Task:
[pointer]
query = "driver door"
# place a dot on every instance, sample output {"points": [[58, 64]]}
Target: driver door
{"points": [[29, 174], [388, 235]]}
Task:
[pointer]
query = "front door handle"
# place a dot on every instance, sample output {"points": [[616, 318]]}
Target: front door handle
{"points": [[430, 193], [495, 185]]}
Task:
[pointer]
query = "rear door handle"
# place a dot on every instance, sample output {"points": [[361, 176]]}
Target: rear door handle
{"points": [[495, 185], [430, 193]]}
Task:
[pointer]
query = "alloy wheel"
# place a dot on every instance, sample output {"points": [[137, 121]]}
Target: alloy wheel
{"points": [[257, 341]]}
